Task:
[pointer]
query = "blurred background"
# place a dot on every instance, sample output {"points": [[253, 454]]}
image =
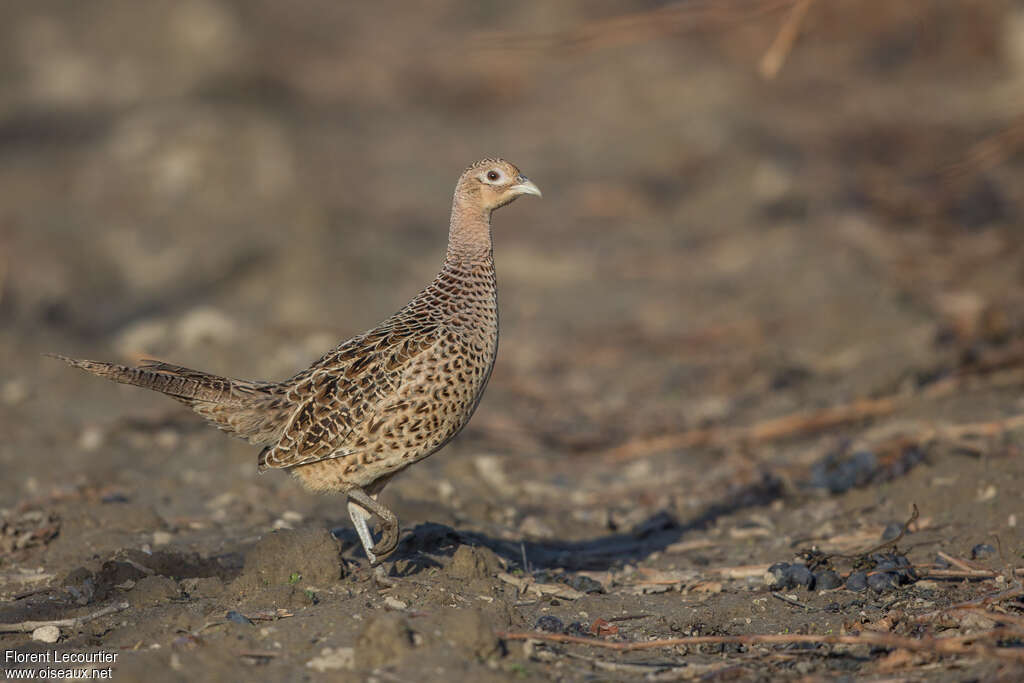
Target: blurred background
{"points": [[752, 209]]}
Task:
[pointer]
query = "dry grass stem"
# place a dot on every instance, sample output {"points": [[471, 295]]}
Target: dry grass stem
{"points": [[775, 57]]}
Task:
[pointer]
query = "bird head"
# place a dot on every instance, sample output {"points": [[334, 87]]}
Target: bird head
{"points": [[493, 183]]}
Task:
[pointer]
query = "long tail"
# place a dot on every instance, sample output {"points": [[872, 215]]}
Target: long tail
{"points": [[173, 380], [255, 411]]}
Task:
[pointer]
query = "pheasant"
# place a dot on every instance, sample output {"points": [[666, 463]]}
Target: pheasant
{"points": [[385, 398]]}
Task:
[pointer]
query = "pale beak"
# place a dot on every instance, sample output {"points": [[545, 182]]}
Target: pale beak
{"points": [[525, 186]]}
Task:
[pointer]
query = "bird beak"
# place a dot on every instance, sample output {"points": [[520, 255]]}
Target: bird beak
{"points": [[525, 186]]}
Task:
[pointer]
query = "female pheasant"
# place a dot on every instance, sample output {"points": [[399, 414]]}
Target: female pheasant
{"points": [[384, 399]]}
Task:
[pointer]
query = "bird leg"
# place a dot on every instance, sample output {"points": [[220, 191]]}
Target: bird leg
{"points": [[360, 507], [359, 516]]}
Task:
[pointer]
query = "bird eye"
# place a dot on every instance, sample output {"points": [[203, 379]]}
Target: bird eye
{"points": [[493, 175]]}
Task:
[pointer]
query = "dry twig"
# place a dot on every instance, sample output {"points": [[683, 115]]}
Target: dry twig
{"points": [[804, 424], [257, 654], [966, 645], [775, 57], [994, 616], [991, 428], [788, 426], [988, 152], [962, 565], [74, 622], [625, 29], [976, 574]]}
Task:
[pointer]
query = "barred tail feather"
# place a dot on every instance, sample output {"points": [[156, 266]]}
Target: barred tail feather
{"points": [[173, 380], [250, 410]]}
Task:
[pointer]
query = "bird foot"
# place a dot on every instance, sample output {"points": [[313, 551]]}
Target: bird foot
{"points": [[360, 507], [388, 540]]}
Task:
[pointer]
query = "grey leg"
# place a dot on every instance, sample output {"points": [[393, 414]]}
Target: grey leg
{"points": [[359, 517], [368, 505]]}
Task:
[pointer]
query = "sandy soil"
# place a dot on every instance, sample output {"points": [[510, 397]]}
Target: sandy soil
{"points": [[753, 321]]}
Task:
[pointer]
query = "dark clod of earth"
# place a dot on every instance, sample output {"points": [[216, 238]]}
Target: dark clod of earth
{"points": [[238, 618], [549, 623], [892, 530], [783, 575], [577, 628], [881, 572], [837, 473], [827, 579], [896, 564], [585, 584], [857, 582], [882, 581], [982, 551]]}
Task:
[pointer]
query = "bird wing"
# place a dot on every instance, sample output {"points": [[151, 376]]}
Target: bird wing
{"points": [[345, 389]]}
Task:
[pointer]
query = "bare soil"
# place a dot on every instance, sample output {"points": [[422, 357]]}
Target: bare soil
{"points": [[753, 320]]}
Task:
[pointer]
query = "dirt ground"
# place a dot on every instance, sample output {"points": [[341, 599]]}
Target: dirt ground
{"points": [[771, 301]]}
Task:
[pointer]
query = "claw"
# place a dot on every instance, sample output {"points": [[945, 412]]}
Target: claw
{"points": [[360, 507], [388, 541]]}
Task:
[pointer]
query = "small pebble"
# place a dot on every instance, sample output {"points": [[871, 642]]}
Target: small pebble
{"points": [[549, 623], [941, 562], [167, 438], [987, 493], [91, 438], [392, 602], [46, 634], [981, 551], [14, 391], [332, 659], [882, 581], [826, 579], [857, 582]]}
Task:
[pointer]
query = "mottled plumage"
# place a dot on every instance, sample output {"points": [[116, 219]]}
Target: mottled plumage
{"points": [[384, 399]]}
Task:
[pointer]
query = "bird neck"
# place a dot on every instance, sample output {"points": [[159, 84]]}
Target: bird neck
{"points": [[469, 235]]}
